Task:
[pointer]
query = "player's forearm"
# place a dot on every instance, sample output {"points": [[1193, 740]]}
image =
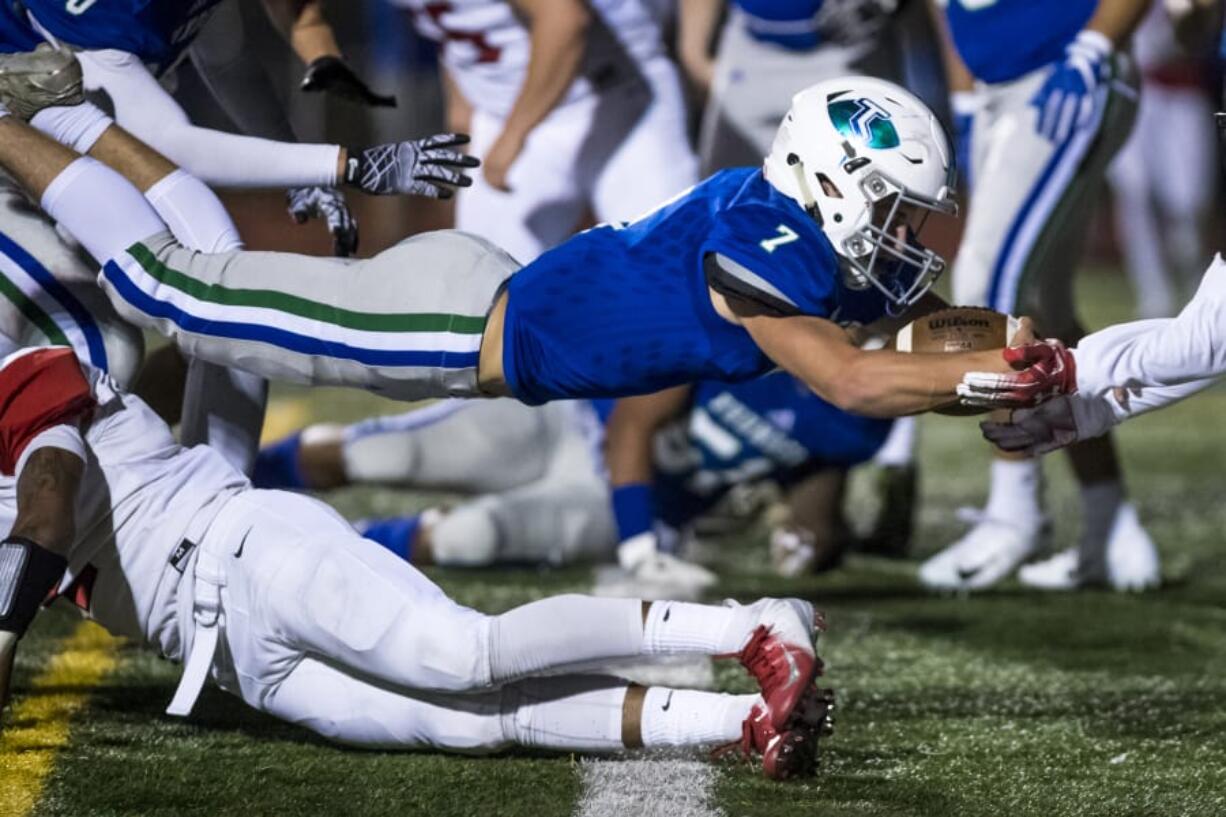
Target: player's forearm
{"points": [[885, 383], [1117, 19], [144, 109], [304, 26], [558, 43], [957, 77], [696, 23]]}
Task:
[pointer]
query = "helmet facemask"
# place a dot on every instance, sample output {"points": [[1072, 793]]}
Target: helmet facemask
{"points": [[883, 252]]}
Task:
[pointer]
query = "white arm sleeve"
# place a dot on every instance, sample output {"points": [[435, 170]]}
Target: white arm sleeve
{"points": [[144, 108], [1143, 401], [1166, 352]]}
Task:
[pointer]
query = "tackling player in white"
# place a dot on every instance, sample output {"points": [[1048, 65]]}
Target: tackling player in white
{"points": [[277, 600]]}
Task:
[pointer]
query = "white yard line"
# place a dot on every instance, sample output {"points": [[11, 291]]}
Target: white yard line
{"points": [[647, 787], [659, 785]]}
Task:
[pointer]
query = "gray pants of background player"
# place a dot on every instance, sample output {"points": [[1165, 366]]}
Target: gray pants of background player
{"points": [[755, 82], [406, 324], [541, 492]]}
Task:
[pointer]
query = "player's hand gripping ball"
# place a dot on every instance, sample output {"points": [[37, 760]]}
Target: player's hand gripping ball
{"points": [[957, 329]]}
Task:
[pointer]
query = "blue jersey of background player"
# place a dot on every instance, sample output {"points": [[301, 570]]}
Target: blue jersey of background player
{"points": [[1006, 39], [773, 428], [156, 31]]}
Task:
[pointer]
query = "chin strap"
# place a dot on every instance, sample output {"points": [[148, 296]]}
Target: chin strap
{"points": [[810, 203]]}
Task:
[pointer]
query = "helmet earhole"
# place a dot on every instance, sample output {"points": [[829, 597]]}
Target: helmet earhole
{"points": [[838, 217], [793, 159]]}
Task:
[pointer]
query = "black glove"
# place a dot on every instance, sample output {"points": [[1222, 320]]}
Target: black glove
{"points": [[333, 75], [28, 574], [422, 167], [329, 204]]}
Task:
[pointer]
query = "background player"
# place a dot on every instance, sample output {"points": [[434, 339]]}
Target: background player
{"points": [[274, 597], [574, 105], [1162, 207], [1053, 96], [544, 490], [769, 51]]}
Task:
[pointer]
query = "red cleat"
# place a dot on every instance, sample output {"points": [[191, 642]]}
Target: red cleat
{"points": [[780, 654], [792, 751]]}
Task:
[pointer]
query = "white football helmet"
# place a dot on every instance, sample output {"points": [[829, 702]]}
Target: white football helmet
{"points": [[869, 162]]}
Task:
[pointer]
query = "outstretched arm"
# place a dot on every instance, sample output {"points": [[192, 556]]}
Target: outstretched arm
{"points": [[879, 383]]}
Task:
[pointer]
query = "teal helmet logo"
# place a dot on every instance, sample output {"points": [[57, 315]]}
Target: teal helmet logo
{"points": [[864, 120]]}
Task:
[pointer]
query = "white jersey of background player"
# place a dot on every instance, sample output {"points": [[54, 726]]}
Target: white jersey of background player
{"points": [[1164, 177], [172, 547], [574, 106], [1046, 94]]}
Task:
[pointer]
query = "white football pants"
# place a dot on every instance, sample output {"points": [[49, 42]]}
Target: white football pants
{"points": [[1031, 200], [322, 628]]}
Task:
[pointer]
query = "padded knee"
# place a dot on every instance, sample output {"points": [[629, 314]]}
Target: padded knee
{"points": [[466, 537]]}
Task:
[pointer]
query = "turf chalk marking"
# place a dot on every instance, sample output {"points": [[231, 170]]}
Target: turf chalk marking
{"points": [[655, 787], [37, 726], [668, 785]]}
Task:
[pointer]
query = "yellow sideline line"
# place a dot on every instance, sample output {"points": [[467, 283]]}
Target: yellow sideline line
{"points": [[37, 726], [284, 416]]}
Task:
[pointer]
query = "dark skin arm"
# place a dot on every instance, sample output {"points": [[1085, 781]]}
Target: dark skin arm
{"points": [[46, 503], [631, 428]]}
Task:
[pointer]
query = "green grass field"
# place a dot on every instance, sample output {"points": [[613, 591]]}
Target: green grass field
{"points": [[1009, 703]]}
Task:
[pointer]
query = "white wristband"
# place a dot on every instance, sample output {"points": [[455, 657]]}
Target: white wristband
{"points": [[1094, 43]]}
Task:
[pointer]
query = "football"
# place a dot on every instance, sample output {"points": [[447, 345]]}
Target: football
{"points": [[957, 329]]}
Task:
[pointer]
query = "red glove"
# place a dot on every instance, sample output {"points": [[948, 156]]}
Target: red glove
{"points": [[1046, 369]]}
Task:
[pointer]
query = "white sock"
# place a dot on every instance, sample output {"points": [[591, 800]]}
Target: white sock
{"points": [[576, 713], [102, 209], [77, 126], [687, 717], [898, 450], [680, 627], [193, 213], [1016, 492], [563, 631]]}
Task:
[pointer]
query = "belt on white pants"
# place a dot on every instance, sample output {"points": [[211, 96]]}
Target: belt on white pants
{"points": [[209, 577]]}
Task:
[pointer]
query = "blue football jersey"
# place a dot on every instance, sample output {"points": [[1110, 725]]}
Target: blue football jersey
{"points": [[773, 427], [791, 24], [625, 309], [156, 31], [1000, 40]]}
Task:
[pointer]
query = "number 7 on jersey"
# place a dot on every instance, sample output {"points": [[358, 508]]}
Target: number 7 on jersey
{"points": [[786, 236]]}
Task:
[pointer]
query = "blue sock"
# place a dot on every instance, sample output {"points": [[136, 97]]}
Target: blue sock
{"points": [[276, 466], [396, 534]]}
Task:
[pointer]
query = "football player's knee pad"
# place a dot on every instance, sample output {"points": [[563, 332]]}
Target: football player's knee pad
{"points": [[468, 536]]}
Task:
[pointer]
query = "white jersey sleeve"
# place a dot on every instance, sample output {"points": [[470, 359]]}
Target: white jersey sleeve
{"points": [[1162, 352]]}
